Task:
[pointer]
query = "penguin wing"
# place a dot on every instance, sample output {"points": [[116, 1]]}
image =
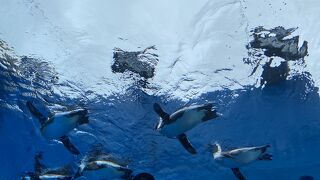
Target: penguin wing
{"points": [[67, 143], [238, 174], [186, 143]]}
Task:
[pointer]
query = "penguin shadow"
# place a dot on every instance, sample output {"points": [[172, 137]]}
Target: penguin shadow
{"points": [[300, 87]]}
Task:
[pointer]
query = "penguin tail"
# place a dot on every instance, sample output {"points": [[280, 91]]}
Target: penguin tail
{"points": [[214, 148], [34, 111], [267, 157], [157, 108], [143, 176]]}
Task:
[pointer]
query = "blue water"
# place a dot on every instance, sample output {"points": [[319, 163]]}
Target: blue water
{"points": [[285, 115]]}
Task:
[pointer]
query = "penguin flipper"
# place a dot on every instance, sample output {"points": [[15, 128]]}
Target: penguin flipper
{"points": [[186, 143], [36, 112], [165, 116], [238, 174], [67, 143], [77, 174]]}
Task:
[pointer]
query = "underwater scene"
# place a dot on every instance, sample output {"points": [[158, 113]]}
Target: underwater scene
{"points": [[165, 90]]}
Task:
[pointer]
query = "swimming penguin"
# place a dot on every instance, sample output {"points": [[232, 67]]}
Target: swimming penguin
{"points": [[176, 124], [100, 166], [58, 125], [237, 158], [40, 173]]}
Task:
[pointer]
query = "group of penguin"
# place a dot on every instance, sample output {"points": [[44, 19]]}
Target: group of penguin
{"points": [[96, 165], [100, 165], [181, 121]]}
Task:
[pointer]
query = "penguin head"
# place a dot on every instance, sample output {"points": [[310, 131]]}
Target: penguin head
{"points": [[80, 114], [143, 176]]}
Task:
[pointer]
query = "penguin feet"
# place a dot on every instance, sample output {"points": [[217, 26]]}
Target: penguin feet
{"points": [[267, 157]]}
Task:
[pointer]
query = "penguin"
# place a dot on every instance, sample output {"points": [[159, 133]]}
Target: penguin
{"points": [[240, 157], [41, 173], [101, 166], [176, 124], [57, 126]]}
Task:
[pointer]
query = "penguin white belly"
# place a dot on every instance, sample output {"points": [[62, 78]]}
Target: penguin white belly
{"points": [[239, 160], [248, 157], [59, 127], [104, 173], [52, 177], [189, 120]]}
